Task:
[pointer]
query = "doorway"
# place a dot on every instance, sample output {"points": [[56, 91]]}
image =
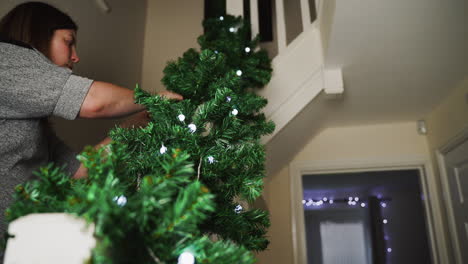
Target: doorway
{"points": [[453, 163], [365, 217]]}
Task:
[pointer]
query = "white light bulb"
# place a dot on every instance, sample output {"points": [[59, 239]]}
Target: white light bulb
{"points": [[325, 199], [181, 117], [385, 221], [231, 29], [383, 205], [186, 258], [216, 51], [350, 198], [331, 201], [238, 209], [389, 250], [235, 112], [247, 49], [192, 128], [163, 149], [120, 200], [211, 159], [356, 199], [221, 18], [363, 205], [228, 99], [239, 73]]}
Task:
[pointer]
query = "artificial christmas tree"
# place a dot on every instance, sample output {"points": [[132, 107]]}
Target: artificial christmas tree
{"points": [[178, 188]]}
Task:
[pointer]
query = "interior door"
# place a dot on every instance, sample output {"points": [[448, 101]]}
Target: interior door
{"points": [[456, 165]]}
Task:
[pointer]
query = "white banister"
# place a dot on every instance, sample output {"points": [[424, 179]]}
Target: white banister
{"points": [[281, 26], [235, 7], [305, 12], [254, 18]]}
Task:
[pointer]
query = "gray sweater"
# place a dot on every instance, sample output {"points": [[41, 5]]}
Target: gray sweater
{"points": [[32, 88]]}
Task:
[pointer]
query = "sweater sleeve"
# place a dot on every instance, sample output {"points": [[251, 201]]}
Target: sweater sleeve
{"points": [[31, 86]]}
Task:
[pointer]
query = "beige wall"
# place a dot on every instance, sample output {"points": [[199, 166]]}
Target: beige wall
{"points": [[172, 27], [449, 118], [364, 143]]}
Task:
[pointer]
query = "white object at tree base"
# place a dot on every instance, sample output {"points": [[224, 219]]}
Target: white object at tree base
{"points": [[49, 238]]}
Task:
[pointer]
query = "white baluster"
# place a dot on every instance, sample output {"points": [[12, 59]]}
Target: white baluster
{"points": [[235, 7], [254, 18], [280, 26], [305, 11]]}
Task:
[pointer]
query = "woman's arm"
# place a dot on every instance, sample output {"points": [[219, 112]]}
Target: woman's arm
{"points": [[109, 100]]}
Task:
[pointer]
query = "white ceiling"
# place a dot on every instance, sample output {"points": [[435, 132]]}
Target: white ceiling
{"points": [[399, 58]]}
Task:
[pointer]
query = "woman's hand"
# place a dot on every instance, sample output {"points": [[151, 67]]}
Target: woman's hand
{"points": [[171, 95], [139, 119]]}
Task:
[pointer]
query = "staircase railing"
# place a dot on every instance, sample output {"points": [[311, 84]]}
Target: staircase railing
{"points": [[298, 67]]}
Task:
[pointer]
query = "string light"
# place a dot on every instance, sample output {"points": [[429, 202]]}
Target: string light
{"points": [[247, 49], [211, 159], [239, 73], [234, 112], [238, 209], [163, 149], [221, 18], [120, 200], [186, 258], [181, 117], [351, 201], [192, 128]]}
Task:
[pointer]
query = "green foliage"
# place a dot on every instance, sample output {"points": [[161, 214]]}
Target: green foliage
{"points": [[214, 90], [158, 212], [169, 187]]}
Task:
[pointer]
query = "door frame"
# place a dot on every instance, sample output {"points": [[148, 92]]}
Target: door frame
{"points": [[440, 155], [437, 243]]}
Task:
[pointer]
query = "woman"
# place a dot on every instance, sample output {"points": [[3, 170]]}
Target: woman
{"points": [[37, 55]]}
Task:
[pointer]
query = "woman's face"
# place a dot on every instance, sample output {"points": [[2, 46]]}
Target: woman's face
{"points": [[63, 48]]}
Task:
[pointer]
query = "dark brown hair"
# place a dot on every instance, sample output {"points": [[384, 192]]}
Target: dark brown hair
{"points": [[34, 23]]}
